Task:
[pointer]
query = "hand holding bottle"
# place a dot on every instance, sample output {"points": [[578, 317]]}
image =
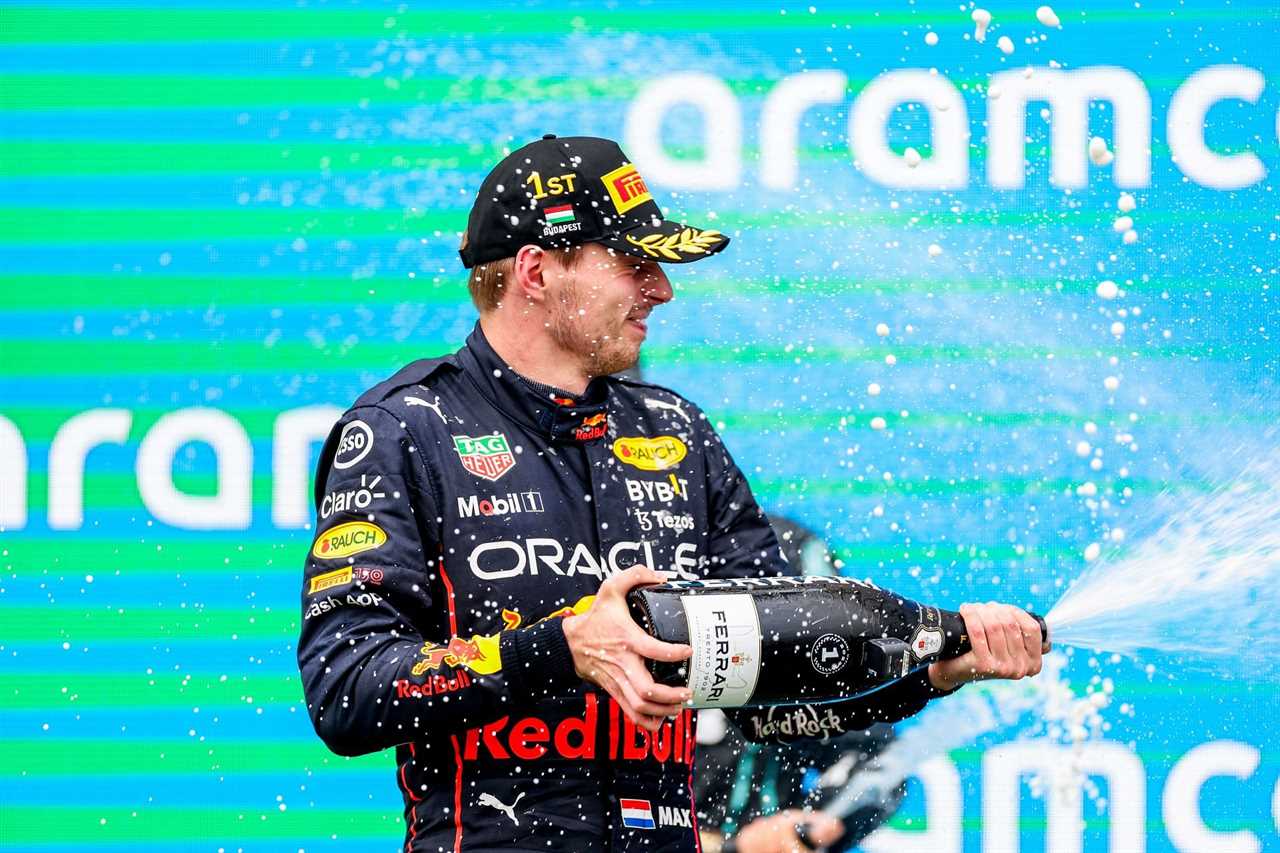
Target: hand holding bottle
{"points": [[1007, 642]]}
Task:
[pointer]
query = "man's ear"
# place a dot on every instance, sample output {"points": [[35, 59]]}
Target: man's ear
{"points": [[527, 271]]}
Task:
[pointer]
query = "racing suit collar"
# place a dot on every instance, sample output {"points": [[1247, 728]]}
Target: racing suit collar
{"points": [[550, 411]]}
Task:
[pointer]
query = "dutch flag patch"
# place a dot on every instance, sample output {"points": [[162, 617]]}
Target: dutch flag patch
{"points": [[636, 814]]}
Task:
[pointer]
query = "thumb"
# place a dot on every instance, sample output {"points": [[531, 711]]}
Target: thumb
{"points": [[623, 582]]}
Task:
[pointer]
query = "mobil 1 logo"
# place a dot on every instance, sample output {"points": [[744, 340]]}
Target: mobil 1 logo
{"points": [[508, 504]]}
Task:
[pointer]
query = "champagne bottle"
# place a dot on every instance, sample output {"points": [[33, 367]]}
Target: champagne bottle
{"points": [[789, 640]]}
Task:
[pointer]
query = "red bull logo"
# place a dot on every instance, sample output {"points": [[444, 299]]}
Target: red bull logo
{"points": [[481, 653], [433, 686], [592, 427], [583, 737], [458, 652]]}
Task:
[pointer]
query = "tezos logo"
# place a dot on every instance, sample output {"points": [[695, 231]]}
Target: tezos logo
{"points": [[829, 654], [651, 454], [353, 445]]}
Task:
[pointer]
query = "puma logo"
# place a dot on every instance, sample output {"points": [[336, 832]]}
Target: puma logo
{"points": [[663, 404], [435, 407], [510, 811]]}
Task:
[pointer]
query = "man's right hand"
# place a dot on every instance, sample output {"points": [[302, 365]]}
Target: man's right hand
{"points": [[777, 833], [609, 650]]}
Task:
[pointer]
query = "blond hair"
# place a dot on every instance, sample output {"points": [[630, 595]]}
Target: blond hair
{"points": [[488, 280]]}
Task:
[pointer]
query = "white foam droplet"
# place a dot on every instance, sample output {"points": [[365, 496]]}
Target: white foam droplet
{"points": [[1087, 490], [1117, 534], [1130, 237], [1005, 44], [882, 329], [1117, 328], [1091, 551], [982, 20], [1111, 383], [1090, 428], [912, 156], [874, 389], [878, 423], [994, 92], [1082, 448], [1098, 152], [1048, 17], [934, 250], [931, 39], [1107, 289], [1126, 203], [1123, 224]]}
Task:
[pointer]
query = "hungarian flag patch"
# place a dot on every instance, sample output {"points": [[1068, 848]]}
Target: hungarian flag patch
{"points": [[557, 215]]}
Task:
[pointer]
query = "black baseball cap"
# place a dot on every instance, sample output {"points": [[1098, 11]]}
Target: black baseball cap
{"points": [[561, 192]]}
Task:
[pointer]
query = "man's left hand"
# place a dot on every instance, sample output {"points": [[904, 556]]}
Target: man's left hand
{"points": [[1006, 643]]}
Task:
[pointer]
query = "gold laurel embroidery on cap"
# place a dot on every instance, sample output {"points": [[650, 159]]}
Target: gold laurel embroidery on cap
{"points": [[689, 241]]}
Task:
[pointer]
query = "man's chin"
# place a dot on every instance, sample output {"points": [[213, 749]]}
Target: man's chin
{"points": [[618, 359]]}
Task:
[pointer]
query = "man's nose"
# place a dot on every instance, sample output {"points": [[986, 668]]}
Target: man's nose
{"points": [[657, 287]]}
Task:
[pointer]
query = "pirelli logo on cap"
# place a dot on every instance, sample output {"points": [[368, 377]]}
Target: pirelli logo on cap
{"points": [[626, 188]]}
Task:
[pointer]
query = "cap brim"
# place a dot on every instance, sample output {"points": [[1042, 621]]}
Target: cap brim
{"points": [[668, 242]]}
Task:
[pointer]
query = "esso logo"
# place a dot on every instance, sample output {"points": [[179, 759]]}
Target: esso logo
{"points": [[353, 445]]}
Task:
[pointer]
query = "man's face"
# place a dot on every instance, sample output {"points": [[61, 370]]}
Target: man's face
{"points": [[599, 309]]}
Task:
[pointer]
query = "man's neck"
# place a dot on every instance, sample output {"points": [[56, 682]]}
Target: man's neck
{"points": [[533, 355]]}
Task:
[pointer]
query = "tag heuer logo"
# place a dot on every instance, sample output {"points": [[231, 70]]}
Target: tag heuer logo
{"points": [[486, 456]]}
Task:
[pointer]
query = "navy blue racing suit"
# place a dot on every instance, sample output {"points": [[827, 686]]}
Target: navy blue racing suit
{"points": [[461, 511]]}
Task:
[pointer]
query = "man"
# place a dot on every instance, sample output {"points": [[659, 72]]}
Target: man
{"points": [[481, 517]]}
